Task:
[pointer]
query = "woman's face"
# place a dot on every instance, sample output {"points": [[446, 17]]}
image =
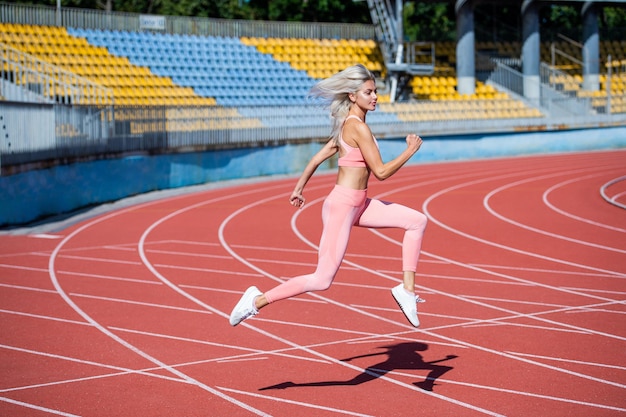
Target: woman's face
{"points": [[366, 97]]}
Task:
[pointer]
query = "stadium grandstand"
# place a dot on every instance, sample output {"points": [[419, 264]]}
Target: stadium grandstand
{"points": [[108, 83], [153, 76]]}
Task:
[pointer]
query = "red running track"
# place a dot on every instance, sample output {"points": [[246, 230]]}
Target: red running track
{"points": [[523, 268]]}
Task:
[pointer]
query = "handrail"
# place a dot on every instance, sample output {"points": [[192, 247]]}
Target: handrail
{"points": [[555, 51], [46, 83]]}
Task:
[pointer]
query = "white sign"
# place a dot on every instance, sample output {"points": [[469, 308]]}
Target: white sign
{"points": [[147, 21]]}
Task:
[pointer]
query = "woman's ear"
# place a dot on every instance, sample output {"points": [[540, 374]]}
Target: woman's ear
{"points": [[352, 97]]}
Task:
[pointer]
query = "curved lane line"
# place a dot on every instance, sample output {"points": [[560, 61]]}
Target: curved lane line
{"points": [[534, 229], [104, 330], [570, 215], [330, 301], [609, 199], [489, 272], [147, 263], [432, 218], [457, 341], [263, 332]]}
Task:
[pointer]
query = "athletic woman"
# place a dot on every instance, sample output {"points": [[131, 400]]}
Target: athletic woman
{"points": [[351, 93]]}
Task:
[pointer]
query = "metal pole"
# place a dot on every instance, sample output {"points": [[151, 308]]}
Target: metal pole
{"points": [[608, 84]]}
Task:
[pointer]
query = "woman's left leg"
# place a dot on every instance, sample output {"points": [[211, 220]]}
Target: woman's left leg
{"points": [[382, 214]]}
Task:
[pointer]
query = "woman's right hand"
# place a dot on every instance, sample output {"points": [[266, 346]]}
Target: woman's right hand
{"points": [[296, 199]]}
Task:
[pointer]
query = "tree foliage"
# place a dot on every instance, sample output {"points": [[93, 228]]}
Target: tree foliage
{"points": [[613, 23], [429, 21], [423, 20]]}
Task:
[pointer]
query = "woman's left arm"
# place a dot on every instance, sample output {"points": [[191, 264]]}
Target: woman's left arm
{"points": [[371, 153]]}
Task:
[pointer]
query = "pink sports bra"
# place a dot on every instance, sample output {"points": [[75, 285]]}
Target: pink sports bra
{"points": [[352, 156]]}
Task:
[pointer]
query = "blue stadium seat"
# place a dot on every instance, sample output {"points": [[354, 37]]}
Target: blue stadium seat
{"points": [[221, 67]]}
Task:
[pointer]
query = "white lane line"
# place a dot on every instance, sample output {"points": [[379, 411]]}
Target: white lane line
{"points": [[122, 370], [551, 271], [558, 359], [348, 307], [342, 411], [612, 200], [250, 352], [185, 254], [206, 270], [433, 219], [313, 352], [45, 236], [38, 408], [559, 236], [303, 238], [92, 259], [23, 268], [23, 287], [546, 200], [40, 316], [108, 277], [107, 332], [516, 392], [138, 303]]}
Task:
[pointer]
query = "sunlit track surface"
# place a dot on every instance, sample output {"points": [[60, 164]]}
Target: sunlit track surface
{"points": [[523, 269]]}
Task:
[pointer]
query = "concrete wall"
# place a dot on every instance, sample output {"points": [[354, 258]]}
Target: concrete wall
{"points": [[33, 195]]}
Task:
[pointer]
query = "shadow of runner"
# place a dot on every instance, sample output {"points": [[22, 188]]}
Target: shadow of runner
{"points": [[399, 356]]}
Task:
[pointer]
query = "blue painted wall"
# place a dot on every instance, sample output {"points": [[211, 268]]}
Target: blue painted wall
{"points": [[32, 195]]}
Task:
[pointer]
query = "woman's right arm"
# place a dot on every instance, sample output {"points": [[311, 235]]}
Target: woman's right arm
{"points": [[297, 199]]}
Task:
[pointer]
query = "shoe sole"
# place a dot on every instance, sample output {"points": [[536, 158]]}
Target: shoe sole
{"points": [[240, 303], [401, 309]]}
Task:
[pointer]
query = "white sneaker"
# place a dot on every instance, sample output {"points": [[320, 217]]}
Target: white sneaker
{"points": [[408, 303], [245, 307]]}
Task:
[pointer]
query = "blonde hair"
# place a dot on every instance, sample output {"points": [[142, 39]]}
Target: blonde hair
{"points": [[336, 90]]}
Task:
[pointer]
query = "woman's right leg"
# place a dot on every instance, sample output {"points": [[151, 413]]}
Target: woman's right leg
{"points": [[339, 213], [341, 208]]}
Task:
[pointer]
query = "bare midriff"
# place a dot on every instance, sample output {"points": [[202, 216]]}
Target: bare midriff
{"points": [[353, 177]]}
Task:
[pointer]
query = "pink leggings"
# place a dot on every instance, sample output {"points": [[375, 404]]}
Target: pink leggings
{"points": [[343, 208]]}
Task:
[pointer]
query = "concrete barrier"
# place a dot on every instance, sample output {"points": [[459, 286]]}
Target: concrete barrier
{"points": [[33, 195]]}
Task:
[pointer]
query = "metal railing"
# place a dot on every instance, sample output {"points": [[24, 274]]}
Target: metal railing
{"points": [[34, 132], [559, 92], [98, 19], [555, 100], [64, 131], [507, 77], [39, 81], [555, 52], [385, 28]]}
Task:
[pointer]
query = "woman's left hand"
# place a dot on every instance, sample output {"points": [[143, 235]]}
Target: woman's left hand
{"points": [[413, 141]]}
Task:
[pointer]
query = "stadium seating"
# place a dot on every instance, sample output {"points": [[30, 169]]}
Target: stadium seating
{"points": [[130, 84], [616, 85], [227, 69], [467, 109], [147, 69], [223, 68], [320, 58]]}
